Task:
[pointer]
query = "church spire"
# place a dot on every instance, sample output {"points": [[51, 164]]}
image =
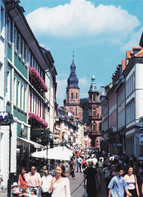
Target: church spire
{"points": [[92, 86], [72, 80]]}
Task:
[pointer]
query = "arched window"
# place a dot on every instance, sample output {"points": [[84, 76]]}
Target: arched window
{"points": [[72, 95], [100, 126], [76, 95], [94, 127], [94, 111]]}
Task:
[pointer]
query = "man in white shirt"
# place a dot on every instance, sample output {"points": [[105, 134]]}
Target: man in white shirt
{"points": [[33, 180]]}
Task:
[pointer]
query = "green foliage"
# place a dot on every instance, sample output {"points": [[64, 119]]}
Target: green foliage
{"points": [[41, 136]]}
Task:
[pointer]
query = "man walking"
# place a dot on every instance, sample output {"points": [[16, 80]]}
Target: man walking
{"points": [[117, 185], [33, 180], [90, 180]]}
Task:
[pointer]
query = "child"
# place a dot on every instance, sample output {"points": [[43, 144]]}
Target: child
{"points": [[15, 189], [33, 193]]}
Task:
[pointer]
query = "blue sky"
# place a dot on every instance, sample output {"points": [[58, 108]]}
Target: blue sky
{"points": [[99, 31]]}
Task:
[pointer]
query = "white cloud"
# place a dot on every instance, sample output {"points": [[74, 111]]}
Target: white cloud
{"points": [[81, 17], [133, 41], [83, 82]]}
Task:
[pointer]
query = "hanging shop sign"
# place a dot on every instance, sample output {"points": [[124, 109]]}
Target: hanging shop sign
{"points": [[6, 118]]}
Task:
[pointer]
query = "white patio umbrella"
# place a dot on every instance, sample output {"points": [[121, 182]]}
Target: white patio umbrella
{"points": [[57, 153]]}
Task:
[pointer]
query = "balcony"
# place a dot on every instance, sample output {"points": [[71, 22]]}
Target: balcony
{"points": [[37, 79], [35, 118]]}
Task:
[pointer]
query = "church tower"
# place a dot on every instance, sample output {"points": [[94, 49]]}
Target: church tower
{"points": [[72, 102], [95, 116]]}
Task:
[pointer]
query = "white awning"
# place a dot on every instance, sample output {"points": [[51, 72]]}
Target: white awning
{"points": [[35, 144], [57, 153]]}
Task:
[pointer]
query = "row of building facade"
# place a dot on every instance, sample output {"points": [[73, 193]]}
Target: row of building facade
{"points": [[122, 107], [28, 95], [27, 89]]}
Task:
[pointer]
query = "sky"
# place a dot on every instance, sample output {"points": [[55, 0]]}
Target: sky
{"points": [[99, 32]]}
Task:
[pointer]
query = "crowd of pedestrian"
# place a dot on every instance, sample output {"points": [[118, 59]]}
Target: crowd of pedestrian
{"points": [[123, 176], [32, 184]]}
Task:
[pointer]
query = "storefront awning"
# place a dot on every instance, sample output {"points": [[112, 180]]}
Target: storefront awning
{"points": [[35, 144]]}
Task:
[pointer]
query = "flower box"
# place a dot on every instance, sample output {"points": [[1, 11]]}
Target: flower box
{"points": [[37, 119], [37, 79]]}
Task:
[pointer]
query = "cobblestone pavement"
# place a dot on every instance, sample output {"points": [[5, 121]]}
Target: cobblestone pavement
{"points": [[77, 188]]}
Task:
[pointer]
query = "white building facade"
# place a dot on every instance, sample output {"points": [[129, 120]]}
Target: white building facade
{"points": [[134, 107]]}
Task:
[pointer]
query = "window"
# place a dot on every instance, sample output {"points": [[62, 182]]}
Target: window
{"points": [[32, 60], [8, 85], [19, 94], [18, 43], [94, 127], [15, 81], [42, 75], [94, 111], [22, 49], [100, 126], [34, 63], [38, 68], [22, 97], [32, 108], [29, 61], [9, 30], [41, 110], [25, 53], [76, 96], [33, 103], [36, 106], [72, 95], [15, 39], [93, 97], [25, 100], [2, 19]]}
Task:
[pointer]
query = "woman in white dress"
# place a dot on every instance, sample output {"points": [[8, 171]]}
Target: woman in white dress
{"points": [[60, 186]]}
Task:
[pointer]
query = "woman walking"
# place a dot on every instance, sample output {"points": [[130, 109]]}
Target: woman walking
{"points": [[72, 169], [22, 180], [45, 184], [132, 184], [60, 186]]}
